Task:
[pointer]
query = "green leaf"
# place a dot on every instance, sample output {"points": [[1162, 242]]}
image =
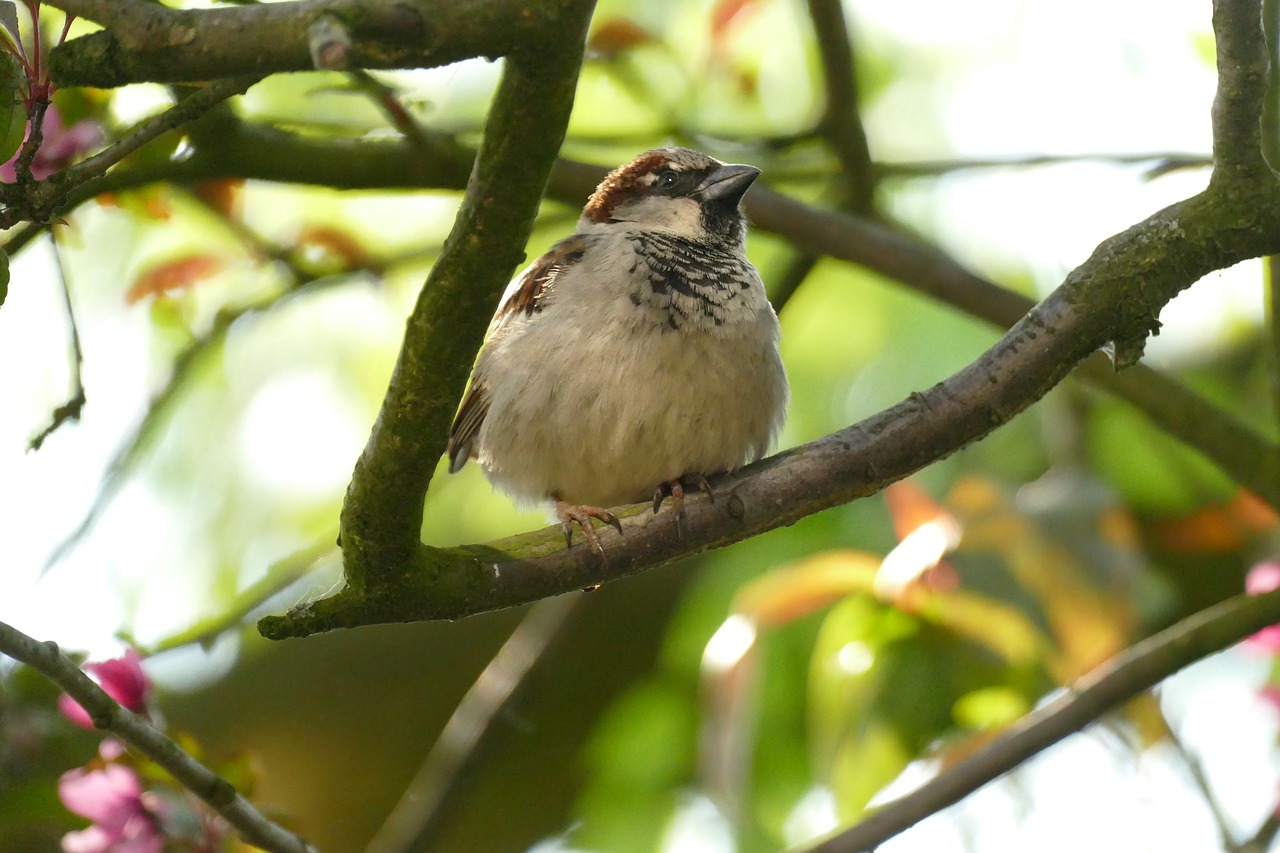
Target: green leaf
{"points": [[1153, 472], [9, 21], [4, 276], [13, 114]]}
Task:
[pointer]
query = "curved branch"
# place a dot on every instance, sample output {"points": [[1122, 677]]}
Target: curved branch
{"points": [[1112, 299], [223, 147], [145, 41], [1096, 303], [1134, 671], [107, 715]]}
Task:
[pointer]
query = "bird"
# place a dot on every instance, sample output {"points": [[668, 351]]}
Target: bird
{"points": [[636, 357]]}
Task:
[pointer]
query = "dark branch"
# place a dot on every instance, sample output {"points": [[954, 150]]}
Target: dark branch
{"points": [[145, 41], [841, 122], [223, 147], [1134, 671], [1113, 298], [1095, 304]]}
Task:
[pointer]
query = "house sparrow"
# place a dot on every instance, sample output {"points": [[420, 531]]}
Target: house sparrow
{"points": [[634, 358]]}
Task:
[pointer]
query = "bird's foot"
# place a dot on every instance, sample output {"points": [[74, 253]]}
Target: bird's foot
{"points": [[570, 514], [675, 488]]}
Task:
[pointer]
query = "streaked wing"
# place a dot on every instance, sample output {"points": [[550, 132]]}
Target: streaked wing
{"points": [[523, 295], [526, 290]]}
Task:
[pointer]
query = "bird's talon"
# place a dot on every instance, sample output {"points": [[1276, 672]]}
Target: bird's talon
{"points": [[570, 514]]}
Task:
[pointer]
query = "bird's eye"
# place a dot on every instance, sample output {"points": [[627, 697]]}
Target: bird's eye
{"points": [[667, 180]]}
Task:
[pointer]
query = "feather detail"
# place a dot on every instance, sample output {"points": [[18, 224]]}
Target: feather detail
{"points": [[466, 426], [526, 292], [524, 295]]}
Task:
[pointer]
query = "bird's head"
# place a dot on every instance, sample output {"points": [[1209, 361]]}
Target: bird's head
{"points": [[677, 190]]}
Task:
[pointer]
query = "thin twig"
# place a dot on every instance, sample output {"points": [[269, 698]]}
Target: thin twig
{"points": [[425, 142], [278, 577], [1271, 289], [161, 406], [107, 715], [1127, 675], [74, 406], [1162, 163], [841, 127], [41, 200], [416, 817], [1262, 839], [1271, 151], [1201, 782]]}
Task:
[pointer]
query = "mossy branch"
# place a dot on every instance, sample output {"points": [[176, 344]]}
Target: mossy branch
{"points": [[146, 41], [382, 514]]}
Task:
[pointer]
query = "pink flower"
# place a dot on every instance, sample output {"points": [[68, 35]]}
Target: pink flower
{"points": [[123, 680], [59, 147], [1264, 577], [113, 799]]}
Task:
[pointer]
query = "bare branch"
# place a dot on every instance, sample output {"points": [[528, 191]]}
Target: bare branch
{"points": [[246, 150], [1113, 298], [71, 409], [416, 818], [107, 715], [841, 122], [1133, 671]]}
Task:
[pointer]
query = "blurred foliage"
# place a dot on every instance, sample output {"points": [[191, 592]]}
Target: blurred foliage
{"points": [[238, 338]]}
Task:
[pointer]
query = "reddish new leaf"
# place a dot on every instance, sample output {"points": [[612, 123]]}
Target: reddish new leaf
{"points": [[176, 274]]}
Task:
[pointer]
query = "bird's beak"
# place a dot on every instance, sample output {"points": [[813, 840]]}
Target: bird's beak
{"points": [[728, 183]]}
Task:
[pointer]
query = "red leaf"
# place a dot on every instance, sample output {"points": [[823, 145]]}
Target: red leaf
{"points": [[223, 196], [337, 243], [618, 35], [176, 274], [725, 13]]}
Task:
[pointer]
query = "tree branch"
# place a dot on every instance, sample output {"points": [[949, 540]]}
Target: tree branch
{"points": [[145, 41], [1136, 670], [107, 715], [224, 147], [841, 122], [1113, 298]]}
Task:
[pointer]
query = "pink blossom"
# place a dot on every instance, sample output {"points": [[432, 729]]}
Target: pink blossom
{"points": [[123, 680], [59, 146], [1263, 578], [111, 797], [1270, 694]]}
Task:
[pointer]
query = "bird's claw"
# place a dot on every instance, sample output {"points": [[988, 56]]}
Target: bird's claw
{"points": [[675, 488], [570, 514]]}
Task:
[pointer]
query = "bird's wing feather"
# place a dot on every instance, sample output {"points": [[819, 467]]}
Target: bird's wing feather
{"points": [[522, 296]]}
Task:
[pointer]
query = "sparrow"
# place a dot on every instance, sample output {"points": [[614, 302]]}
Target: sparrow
{"points": [[636, 357]]}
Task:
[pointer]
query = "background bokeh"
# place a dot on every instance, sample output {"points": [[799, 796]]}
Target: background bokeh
{"points": [[238, 337]]}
